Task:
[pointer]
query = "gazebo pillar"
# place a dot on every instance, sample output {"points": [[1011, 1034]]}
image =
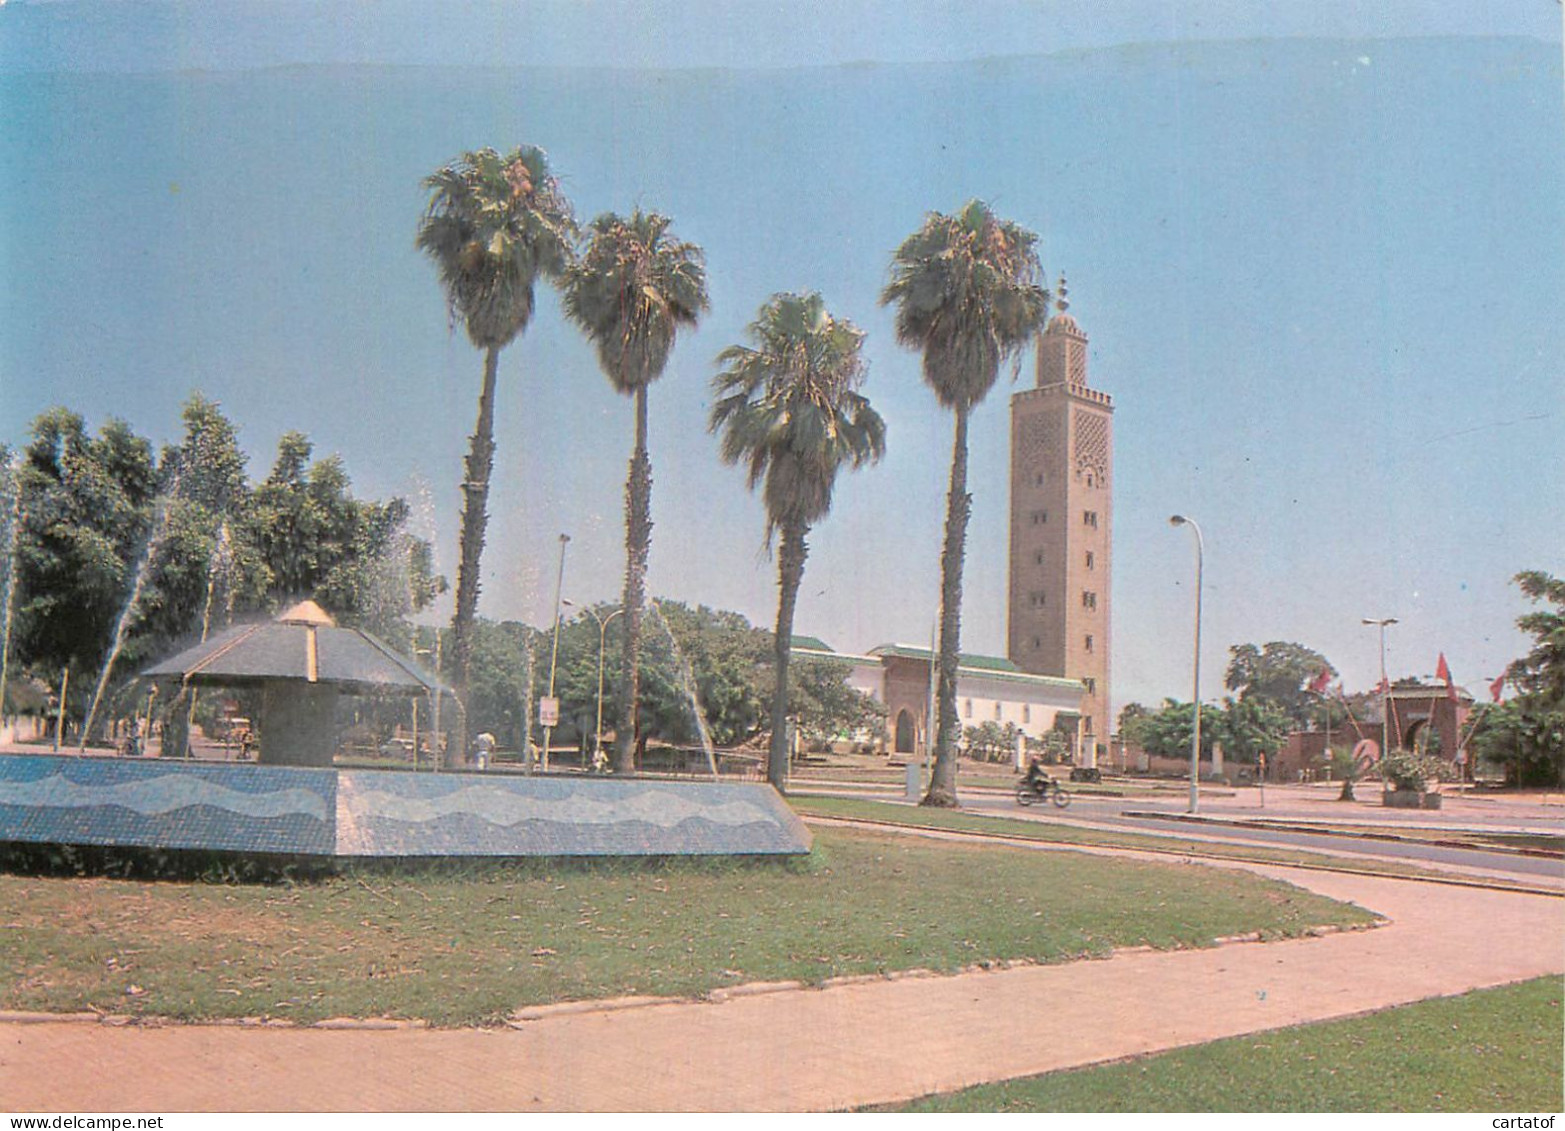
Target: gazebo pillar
{"points": [[298, 724]]}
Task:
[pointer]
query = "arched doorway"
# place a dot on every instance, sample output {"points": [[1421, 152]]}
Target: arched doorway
{"points": [[905, 732]]}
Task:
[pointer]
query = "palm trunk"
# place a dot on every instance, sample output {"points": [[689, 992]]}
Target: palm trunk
{"points": [[791, 553], [638, 540], [475, 517], [959, 505]]}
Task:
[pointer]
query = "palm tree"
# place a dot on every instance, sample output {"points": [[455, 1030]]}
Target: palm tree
{"points": [[633, 288], [967, 296], [494, 226], [790, 411]]}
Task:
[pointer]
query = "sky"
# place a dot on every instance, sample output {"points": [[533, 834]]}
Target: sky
{"points": [[1319, 251]]}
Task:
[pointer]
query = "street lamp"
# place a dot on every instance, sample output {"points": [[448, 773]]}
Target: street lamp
{"points": [[603, 628], [1195, 734], [1385, 685], [554, 654]]}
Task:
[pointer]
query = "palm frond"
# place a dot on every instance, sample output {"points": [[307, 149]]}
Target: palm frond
{"points": [[633, 289], [788, 407], [967, 295], [493, 226]]}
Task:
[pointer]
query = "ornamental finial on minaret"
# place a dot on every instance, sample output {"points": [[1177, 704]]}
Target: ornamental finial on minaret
{"points": [[1063, 302]]}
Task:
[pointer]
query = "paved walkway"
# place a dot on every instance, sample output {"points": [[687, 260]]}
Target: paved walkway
{"points": [[813, 1049]]}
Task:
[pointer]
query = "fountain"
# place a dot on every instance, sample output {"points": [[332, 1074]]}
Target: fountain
{"points": [[687, 681], [220, 564], [295, 803], [155, 539], [8, 601]]}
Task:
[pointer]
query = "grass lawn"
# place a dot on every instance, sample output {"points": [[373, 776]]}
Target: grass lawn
{"points": [[915, 816], [1491, 1050], [468, 945]]}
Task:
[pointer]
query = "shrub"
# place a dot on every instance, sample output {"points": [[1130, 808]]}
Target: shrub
{"points": [[1409, 772]]}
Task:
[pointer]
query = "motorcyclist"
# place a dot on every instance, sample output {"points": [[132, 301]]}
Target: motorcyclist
{"points": [[1036, 778]]}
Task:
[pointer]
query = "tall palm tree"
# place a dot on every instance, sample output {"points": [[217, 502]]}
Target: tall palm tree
{"points": [[494, 226], [790, 411], [967, 296], [633, 288]]}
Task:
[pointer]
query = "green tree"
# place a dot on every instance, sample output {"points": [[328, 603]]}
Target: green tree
{"points": [[967, 296], [826, 706], [632, 290], [86, 516], [1526, 734], [789, 410], [310, 537], [494, 226], [196, 565], [1166, 730], [1248, 728], [1280, 673]]}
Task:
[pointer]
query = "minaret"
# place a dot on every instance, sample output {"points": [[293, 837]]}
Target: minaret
{"points": [[1062, 463]]}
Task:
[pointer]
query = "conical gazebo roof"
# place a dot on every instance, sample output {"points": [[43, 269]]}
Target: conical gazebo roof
{"points": [[302, 644]]}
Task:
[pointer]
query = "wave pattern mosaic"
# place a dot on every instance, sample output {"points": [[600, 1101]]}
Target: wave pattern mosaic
{"points": [[48, 799]]}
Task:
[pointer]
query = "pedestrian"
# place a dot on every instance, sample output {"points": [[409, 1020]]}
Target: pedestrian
{"points": [[485, 743]]}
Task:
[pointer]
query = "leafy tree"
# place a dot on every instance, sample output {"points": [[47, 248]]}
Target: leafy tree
{"points": [[826, 706], [727, 657], [498, 682], [1166, 730], [1540, 675], [312, 538], [1131, 717], [1248, 728], [1280, 673], [1526, 734], [1529, 745], [729, 660], [196, 565], [494, 226], [633, 289], [991, 742], [789, 410], [85, 516], [96, 512], [966, 293]]}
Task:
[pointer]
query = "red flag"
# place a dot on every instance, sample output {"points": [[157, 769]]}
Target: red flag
{"points": [[1383, 687], [1322, 681], [1497, 687], [1443, 671]]}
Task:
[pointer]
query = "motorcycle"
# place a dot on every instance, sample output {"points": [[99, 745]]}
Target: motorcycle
{"points": [[1028, 792]]}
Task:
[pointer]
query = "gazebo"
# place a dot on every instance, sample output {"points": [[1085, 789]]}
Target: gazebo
{"points": [[302, 663]]}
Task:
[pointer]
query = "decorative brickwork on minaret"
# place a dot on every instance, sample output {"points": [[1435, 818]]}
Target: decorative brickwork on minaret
{"points": [[1062, 518]]}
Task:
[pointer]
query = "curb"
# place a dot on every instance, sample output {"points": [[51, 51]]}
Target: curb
{"points": [[1288, 826], [155, 1021], [1187, 853]]}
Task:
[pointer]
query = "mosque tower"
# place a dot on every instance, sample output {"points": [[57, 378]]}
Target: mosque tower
{"points": [[1062, 464]]}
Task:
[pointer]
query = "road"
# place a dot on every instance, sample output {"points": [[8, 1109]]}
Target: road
{"points": [[1289, 803]]}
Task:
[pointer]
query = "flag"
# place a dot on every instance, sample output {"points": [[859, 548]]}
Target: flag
{"points": [[1497, 687], [1383, 687], [1443, 671], [1322, 681]]}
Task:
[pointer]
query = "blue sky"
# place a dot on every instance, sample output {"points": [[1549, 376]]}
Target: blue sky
{"points": [[1321, 257]]}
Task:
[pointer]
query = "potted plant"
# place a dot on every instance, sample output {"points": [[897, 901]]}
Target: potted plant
{"points": [[1407, 775]]}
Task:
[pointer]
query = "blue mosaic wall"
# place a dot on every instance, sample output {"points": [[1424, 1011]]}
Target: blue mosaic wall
{"points": [[52, 799], [390, 814], [48, 799]]}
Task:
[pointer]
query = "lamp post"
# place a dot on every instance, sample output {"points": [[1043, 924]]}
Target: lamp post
{"points": [[603, 628], [554, 653], [1195, 734], [1385, 685]]}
